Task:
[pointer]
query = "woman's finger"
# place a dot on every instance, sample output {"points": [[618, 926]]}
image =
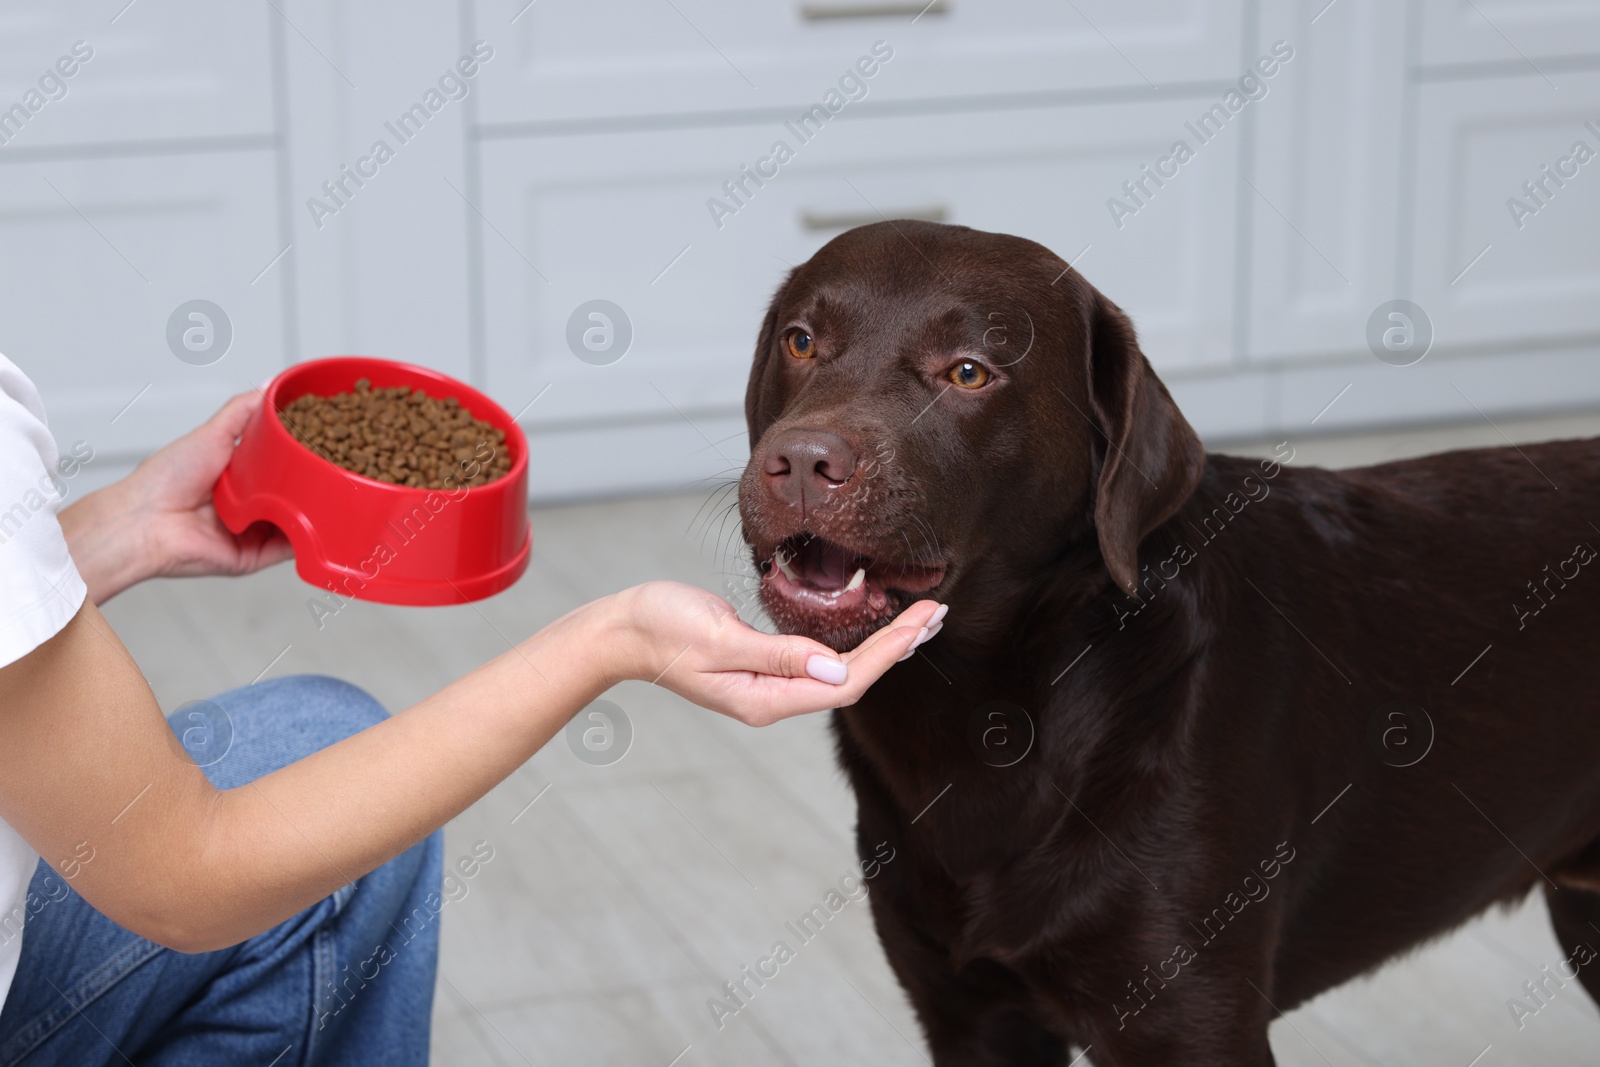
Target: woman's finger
{"points": [[792, 656], [262, 546], [231, 418], [872, 663], [744, 648], [873, 657], [788, 675], [924, 613]]}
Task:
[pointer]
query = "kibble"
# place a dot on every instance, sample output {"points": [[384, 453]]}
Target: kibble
{"points": [[401, 436]]}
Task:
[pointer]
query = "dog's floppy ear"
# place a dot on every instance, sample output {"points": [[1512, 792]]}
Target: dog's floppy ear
{"points": [[1153, 459], [752, 390]]}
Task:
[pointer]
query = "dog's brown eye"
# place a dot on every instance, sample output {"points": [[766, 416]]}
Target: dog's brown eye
{"points": [[969, 375], [800, 344]]}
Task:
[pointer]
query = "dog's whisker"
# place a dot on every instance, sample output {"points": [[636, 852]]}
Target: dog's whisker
{"points": [[729, 549], [709, 503], [715, 508], [924, 530]]}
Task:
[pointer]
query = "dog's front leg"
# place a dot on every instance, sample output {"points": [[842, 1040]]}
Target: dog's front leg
{"points": [[980, 1015]]}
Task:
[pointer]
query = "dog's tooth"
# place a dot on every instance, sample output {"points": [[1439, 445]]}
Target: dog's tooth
{"points": [[782, 563], [856, 580]]}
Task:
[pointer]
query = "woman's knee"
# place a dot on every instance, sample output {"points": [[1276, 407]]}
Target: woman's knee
{"points": [[245, 733]]}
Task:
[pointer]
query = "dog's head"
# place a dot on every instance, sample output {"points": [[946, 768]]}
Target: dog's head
{"points": [[937, 411]]}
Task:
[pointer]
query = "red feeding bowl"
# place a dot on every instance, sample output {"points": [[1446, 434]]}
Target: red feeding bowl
{"points": [[358, 537]]}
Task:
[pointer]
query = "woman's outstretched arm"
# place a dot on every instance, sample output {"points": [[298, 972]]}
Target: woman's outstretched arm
{"points": [[88, 766]]}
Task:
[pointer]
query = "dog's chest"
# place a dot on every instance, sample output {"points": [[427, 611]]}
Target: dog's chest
{"points": [[988, 845], [954, 776]]}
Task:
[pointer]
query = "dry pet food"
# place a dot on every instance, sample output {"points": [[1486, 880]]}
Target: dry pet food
{"points": [[401, 435]]}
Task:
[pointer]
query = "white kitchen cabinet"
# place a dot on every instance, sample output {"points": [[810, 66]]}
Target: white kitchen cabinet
{"points": [[98, 256], [157, 72], [387, 273], [1486, 275], [1508, 31], [578, 163], [649, 58], [1324, 200]]}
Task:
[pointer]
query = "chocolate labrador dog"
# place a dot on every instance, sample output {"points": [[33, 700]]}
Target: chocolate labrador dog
{"points": [[1201, 736]]}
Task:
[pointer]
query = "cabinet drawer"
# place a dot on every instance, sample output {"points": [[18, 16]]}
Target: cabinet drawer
{"points": [[1509, 31], [1487, 271], [625, 218], [87, 289], [160, 71], [644, 57]]}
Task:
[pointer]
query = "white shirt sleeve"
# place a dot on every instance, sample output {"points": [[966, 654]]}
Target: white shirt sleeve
{"points": [[40, 589]]}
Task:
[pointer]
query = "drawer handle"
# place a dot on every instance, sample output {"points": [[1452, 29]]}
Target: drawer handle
{"points": [[822, 12], [823, 220]]}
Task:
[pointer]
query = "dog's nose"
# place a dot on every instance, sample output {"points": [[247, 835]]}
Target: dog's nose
{"points": [[803, 465]]}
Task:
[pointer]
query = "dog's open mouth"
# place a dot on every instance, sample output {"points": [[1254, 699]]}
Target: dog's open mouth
{"points": [[819, 576]]}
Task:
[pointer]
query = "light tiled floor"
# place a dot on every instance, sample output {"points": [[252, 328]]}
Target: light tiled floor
{"points": [[621, 897]]}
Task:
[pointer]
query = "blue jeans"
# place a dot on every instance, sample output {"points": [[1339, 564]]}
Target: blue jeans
{"points": [[348, 981]]}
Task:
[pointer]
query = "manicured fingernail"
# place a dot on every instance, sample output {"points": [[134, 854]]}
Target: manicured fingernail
{"points": [[938, 616], [922, 635], [929, 632], [823, 669]]}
